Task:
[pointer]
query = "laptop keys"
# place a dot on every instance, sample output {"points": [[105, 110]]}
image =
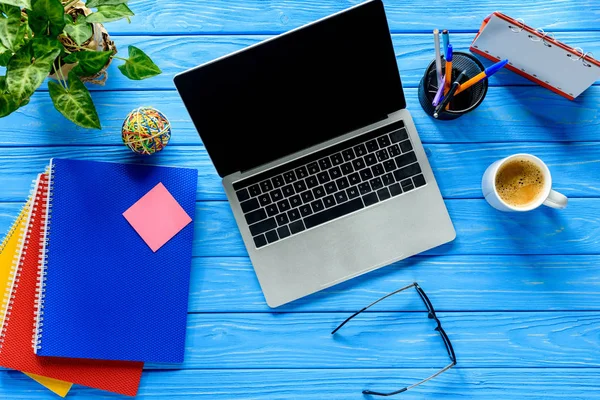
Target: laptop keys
{"points": [[333, 213], [293, 214], [370, 199], [266, 186], [271, 210], [301, 172], [264, 199], [419, 180], [260, 241], [337, 159], [313, 168], [287, 190], [324, 163], [282, 219], [263, 226], [272, 236], [249, 205], [283, 232], [372, 146], [255, 216], [399, 135], [242, 194], [406, 146], [289, 177], [348, 154], [296, 227], [331, 186], [278, 181], [406, 159]]}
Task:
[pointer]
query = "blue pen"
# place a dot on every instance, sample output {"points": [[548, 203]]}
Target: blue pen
{"points": [[489, 71], [446, 41]]}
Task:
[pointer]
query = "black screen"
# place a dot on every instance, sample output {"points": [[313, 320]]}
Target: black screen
{"points": [[296, 90]]}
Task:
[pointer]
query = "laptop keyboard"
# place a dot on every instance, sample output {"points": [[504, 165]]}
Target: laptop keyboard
{"points": [[328, 184]]}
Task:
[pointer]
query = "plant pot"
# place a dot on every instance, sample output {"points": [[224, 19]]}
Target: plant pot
{"points": [[100, 41]]}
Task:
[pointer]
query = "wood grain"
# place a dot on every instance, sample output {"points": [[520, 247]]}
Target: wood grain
{"points": [[509, 114], [458, 167], [392, 340], [242, 16], [313, 384], [414, 52], [480, 229], [482, 283]]}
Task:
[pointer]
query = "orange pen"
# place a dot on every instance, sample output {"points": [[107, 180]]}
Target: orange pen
{"points": [[448, 71]]}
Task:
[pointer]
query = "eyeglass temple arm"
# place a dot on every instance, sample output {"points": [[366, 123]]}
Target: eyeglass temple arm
{"points": [[370, 305], [411, 386]]}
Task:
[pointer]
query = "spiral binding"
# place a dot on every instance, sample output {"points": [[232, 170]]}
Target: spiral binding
{"points": [[17, 263], [40, 290], [551, 39]]}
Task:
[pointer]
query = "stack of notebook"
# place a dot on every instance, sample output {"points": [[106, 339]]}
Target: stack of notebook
{"points": [[94, 274]]}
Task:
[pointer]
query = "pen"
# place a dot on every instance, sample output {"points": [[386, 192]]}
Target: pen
{"points": [[438, 57], [438, 95], [448, 69], [489, 71], [446, 40], [450, 94]]}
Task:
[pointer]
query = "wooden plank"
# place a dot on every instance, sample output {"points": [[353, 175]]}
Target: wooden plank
{"points": [[312, 384], [509, 114], [482, 283], [391, 340], [414, 52], [457, 167], [480, 229], [242, 16]]}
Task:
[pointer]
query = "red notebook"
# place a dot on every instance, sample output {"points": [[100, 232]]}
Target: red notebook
{"points": [[121, 377]]}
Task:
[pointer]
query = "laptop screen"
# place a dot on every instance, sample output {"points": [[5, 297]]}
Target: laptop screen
{"points": [[295, 90]]}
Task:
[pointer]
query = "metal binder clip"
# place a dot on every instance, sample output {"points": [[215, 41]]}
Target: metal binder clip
{"points": [[520, 28], [584, 61], [548, 35]]}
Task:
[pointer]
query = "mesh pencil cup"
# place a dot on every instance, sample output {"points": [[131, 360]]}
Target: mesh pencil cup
{"points": [[465, 101]]}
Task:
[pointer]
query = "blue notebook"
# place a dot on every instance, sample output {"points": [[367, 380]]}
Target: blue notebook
{"points": [[106, 294]]}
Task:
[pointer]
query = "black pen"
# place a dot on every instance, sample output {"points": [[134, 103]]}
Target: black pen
{"points": [[450, 93]]}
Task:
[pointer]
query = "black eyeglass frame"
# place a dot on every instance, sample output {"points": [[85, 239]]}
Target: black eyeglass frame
{"points": [[431, 315]]}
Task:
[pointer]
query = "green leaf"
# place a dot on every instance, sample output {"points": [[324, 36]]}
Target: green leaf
{"points": [[18, 3], [110, 13], [91, 62], [75, 103], [8, 104], [5, 55], [80, 31], [46, 17], [29, 66], [139, 65], [10, 23], [98, 3]]}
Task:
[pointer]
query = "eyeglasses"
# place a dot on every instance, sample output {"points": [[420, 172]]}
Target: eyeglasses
{"points": [[439, 328]]}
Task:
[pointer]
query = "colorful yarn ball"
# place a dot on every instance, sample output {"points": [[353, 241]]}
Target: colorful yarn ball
{"points": [[146, 131]]}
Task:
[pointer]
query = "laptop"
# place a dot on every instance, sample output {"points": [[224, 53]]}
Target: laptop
{"points": [[320, 160]]}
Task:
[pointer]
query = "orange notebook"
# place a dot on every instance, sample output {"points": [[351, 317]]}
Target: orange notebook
{"points": [[536, 55], [10, 251], [121, 377]]}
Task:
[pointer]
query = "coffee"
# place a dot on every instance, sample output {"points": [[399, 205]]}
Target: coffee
{"points": [[519, 182]]}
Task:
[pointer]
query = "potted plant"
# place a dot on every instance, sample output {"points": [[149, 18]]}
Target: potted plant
{"points": [[66, 41]]}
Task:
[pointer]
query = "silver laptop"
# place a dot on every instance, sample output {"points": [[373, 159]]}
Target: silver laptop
{"points": [[321, 162]]}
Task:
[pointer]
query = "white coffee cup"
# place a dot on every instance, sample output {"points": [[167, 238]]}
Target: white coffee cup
{"points": [[547, 196]]}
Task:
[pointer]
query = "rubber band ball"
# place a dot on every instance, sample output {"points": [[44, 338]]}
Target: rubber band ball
{"points": [[146, 130]]}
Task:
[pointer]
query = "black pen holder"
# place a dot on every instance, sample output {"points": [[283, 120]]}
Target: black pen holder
{"points": [[463, 102]]}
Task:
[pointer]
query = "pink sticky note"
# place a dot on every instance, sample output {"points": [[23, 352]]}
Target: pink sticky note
{"points": [[157, 217]]}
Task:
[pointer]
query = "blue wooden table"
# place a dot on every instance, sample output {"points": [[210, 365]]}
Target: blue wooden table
{"points": [[519, 295]]}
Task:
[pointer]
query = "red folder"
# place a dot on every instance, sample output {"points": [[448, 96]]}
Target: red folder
{"points": [[17, 349], [536, 55]]}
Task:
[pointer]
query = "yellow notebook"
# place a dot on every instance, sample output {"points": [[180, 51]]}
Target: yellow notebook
{"points": [[10, 252]]}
